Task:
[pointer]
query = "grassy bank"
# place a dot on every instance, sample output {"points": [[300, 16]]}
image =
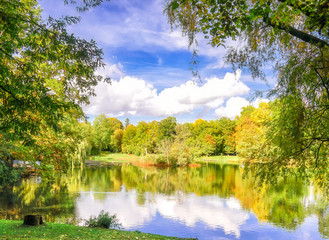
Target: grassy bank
{"points": [[15, 230], [114, 157], [221, 159], [108, 157]]}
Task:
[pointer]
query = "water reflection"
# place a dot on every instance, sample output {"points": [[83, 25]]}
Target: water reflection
{"points": [[33, 196], [212, 198], [188, 209]]}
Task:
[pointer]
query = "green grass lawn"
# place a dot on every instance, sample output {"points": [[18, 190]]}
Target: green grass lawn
{"points": [[114, 157], [121, 158], [15, 230], [221, 159]]}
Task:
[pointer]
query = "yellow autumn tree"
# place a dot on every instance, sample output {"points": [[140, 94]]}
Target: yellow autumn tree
{"points": [[250, 135]]}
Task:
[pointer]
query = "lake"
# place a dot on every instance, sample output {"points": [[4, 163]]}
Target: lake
{"points": [[208, 202]]}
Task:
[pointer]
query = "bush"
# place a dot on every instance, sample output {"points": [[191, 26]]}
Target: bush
{"points": [[9, 175], [103, 220], [160, 159]]}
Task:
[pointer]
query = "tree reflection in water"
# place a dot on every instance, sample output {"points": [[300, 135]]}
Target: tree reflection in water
{"points": [[185, 191]]}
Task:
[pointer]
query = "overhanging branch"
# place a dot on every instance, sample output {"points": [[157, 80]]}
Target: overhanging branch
{"points": [[297, 33]]}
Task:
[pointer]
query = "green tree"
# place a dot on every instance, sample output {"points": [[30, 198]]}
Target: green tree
{"points": [[104, 129], [200, 142], [164, 147], [180, 151], [251, 131], [142, 138], [293, 37], [128, 139], [127, 122], [166, 129], [44, 69], [223, 131], [46, 74], [116, 140]]}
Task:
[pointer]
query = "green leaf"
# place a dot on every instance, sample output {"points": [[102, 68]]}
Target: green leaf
{"points": [[174, 5]]}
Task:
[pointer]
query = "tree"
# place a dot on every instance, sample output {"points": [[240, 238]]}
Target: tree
{"points": [[166, 129], [116, 140], [104, 129], [164, 148], [209, 144], [44, 69], [201, 141], [251, 131], [223, 131], [181, 152], [83, 5], [46, 74], [127, 122], [128, 139], [142, 138], [221, 20], [293, 37]]}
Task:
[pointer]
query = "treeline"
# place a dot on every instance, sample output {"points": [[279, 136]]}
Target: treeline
{"points": [[173, 143], [258, 135]]}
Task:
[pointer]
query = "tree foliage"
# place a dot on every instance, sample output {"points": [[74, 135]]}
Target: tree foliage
{"points": [[292, 36], [251, 131], [175, 143], [45, 70], [46, 73]]}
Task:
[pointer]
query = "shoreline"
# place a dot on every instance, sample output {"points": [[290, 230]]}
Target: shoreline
{"points": [[13, 229], [107, 159]]}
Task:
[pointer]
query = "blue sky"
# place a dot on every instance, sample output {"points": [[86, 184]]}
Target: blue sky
{"points": [[149, 66]]}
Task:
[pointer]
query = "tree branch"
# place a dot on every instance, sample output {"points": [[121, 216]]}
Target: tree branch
{"points": [[297, 33], [304, 11], [8, 55], [13, 95]]}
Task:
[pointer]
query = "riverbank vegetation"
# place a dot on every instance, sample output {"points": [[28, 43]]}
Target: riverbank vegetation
{"points": [[108, 157], [15, 230]]}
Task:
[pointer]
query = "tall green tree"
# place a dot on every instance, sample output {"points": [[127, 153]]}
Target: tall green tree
{"points": [[128, 139], [46, 73], [104, 128], [251, 131], [292, 36], [223, 131], [166, 129], [44, 69], [127, 122], [116, 140]]}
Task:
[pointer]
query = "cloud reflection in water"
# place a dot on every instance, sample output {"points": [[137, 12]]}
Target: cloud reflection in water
{"points": [[188, 209]]}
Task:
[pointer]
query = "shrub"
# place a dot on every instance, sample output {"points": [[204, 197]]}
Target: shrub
{"points": [[103, 220], [160, 159], [9, 175]]}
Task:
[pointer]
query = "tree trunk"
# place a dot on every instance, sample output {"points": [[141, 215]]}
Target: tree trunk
{"points": [[33, 220]]}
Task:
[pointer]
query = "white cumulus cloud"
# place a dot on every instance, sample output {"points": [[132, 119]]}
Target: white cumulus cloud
{"points": [[134, 96], [234, 105], [232, 108], [114, 71]]}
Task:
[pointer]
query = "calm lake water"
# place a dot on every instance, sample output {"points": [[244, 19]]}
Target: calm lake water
{"points": [[207, 202]]}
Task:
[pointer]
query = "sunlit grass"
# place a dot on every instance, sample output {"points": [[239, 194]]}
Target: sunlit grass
{"points": [[221, 159], [15, 230], [121, 158], [114, 157]]}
